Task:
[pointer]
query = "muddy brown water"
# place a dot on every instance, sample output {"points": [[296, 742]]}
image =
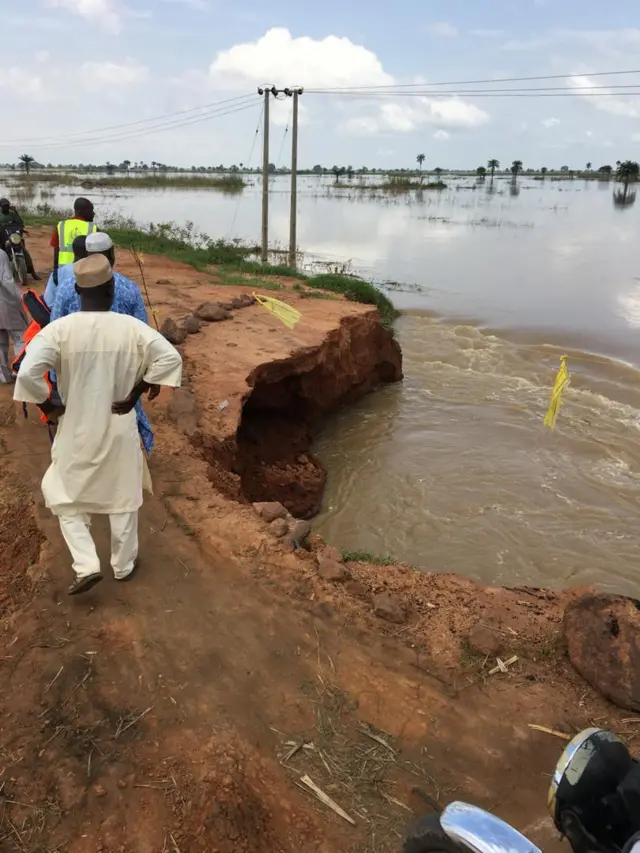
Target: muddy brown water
{"points": [[453, 469]]}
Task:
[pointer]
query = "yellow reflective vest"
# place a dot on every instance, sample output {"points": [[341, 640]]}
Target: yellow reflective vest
{"points": [[68, 230]]}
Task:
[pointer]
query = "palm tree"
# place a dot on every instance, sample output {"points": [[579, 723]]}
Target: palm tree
{"points": [[589, 164], [420, 160], [481, 171], [516, 167], [27, 162], [626, 172], [493, 165]]}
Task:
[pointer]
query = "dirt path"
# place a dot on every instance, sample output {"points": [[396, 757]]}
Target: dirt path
{"points": [[180, 711]]}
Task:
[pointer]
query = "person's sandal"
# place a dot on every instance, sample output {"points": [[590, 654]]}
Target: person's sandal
{"points": [[136, 566], [84, 584]]}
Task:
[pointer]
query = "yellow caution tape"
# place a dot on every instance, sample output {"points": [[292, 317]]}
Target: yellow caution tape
{"points": [[563, 380], [285, 313]]}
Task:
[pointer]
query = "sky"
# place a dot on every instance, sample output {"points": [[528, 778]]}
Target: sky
{"points": [[81, 79]]}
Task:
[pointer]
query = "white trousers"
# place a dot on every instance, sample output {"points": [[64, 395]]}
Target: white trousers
{"points": [[124, 543]]}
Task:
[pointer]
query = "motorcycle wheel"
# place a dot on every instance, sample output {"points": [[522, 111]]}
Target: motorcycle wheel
{"points": [[23, 275], [427, 836]]}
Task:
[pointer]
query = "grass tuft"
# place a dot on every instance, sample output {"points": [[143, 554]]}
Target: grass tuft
{"points": [[366, 557]]}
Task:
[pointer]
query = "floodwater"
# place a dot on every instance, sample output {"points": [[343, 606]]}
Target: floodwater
{"points": [[452, 470]]}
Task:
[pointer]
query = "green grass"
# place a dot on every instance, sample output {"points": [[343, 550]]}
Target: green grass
{"points": [[366, 557], [237, 279], [357, 290], [187, 245]]}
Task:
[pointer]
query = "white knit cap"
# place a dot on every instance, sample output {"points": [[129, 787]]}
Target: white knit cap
{"points": [[98, 242]]}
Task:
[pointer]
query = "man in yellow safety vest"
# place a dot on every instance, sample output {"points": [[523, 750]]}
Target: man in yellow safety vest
{"points": [[80, 225]]}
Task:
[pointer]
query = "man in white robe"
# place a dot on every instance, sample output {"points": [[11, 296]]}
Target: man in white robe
{"points": [[104, 362]]}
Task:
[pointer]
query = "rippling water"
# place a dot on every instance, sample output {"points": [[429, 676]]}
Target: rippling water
{"points": [[453, 470]]}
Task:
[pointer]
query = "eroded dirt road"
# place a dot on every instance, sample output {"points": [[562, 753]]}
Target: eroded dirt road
{"points": [[179, 712]]}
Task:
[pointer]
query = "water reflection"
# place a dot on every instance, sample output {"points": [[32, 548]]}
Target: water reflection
{"points": [[624, 198]]}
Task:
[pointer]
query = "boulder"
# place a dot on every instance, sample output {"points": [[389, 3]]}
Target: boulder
{"points": [[173, 332], [388, 606], [212, 312], [183, 411], [484, 641], [297, 536], [331, 570], [331, 553], [243, 301], [192, 325], [270, 510], [279, 528], [603, 641]]}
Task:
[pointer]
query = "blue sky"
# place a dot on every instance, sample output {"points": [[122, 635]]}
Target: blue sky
{"points": [[75, 66]]}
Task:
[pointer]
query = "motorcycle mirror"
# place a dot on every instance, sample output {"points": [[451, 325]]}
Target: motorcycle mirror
{"points": [[482, 831]]}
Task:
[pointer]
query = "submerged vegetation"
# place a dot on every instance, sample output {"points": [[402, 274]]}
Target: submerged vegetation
{"points": [[231, 183]]}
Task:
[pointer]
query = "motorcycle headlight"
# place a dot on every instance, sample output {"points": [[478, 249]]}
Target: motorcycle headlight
{"points": [[16, 238]]}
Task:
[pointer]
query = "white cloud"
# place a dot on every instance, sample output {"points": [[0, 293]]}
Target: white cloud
{"points": [[400, 117], [198, 5], [441, 134], [112, 76], [42, 56], [280, 59], [443, 28], [487, 33], [550, 122], [105, 13], [605, 99]]}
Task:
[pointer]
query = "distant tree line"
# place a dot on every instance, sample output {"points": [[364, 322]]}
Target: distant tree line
{"points": [[627, 171]]}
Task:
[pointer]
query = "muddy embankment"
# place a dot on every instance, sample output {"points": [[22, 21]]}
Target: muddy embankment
{"points": [[267, 451]]}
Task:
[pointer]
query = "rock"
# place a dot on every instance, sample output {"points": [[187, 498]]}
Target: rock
{"points": [[183, 411], [243, 301], [99, 791], [122, 783], [389, 607], [603, 640], [357, 589], [331, 570], [279, 528], [192, 325], [270, 510], [297, 535], [485, 641], [331, 553], [163, 281], [172, 332], [212, 312]]}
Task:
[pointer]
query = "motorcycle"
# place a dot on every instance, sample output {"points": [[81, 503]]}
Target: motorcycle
{"points": [[593, 800], [14, 247]]}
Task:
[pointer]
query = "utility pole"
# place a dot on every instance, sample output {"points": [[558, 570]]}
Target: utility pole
{"points": [[293, 219], [266, 91], [264, 254]]}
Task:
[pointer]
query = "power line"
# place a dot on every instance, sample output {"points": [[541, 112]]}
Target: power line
{"points": [[175, 125], [568, 93], [153, 120], [517, 90], [475, 82]]}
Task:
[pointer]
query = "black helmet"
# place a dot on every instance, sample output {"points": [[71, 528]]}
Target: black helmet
{"points": [[585, 782]]}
